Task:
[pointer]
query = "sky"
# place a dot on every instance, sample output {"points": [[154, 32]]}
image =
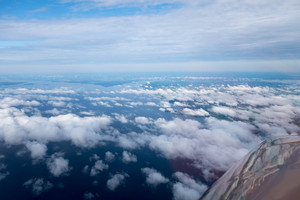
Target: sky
{"points": [[149, 35]]}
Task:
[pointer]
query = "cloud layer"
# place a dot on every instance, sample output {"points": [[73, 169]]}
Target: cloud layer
{"points": [[186, 33], [206, 127]]}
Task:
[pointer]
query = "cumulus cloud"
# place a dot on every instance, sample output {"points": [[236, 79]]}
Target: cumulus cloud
{"points": [[153, 177], [13, 102], [217, 146], [180, 104], [116, 180], [109, 156], [199, 112], [57, 103], [36, 149], [211, 143], [89, 195], [149, 103], [128, 157], [54, 111], [88, 113], [143, 120], [187, 188], [224, 111], [98, 167], [121, 118], [94, 157], [57, 165], [38, 185], [16, 128], [3, 173]]}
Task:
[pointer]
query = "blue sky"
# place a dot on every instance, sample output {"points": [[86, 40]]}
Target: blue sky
{"points": [[149, 35]]}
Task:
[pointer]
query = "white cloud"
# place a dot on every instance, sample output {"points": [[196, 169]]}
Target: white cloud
{"points": [[143, 120], [26, 91], [187, 188], [94, 157], [151, 104], [57, 165], [16, 128], [116, 180], [113, 99], [199, 112], [98, 167], [3, 175], [128, 157], [153, 177], [88, 195], [188, 30], [54, 111], [88, 113], [210, 145], [109, 157], [121, 118], [224, 111], [38, 185], [217, 146], [36, 149], [86, 169], [180, 104], [57, 103], [13, 102], [101, 103]]}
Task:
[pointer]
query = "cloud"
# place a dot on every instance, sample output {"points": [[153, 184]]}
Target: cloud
{"points": [[89, 195], [38, 185], [3, 174], [57, 103], [109, 157], [13, 102], [88, 113], [199, 112], [130, 140], [116, 180], [151, 104], [101, 103], [113, 99], [121, 118], [210, 143], [153, 177], [128, 157], [36, 149], [237, 31], [143, 120], [180, 104], [16, 128], [57, 165], [217, 146], [224, 111], [54, 111], [98, 167], [26, 91], [187, 188]]}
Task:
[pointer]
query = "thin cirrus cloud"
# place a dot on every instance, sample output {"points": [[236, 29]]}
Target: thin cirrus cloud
{"points": [[195, 32]]}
